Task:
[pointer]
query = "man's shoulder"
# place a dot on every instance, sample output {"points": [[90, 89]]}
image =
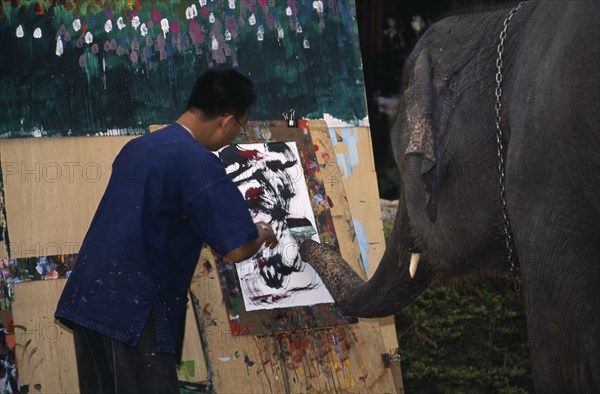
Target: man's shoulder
{"points": [[169, 133], [171, 140]]}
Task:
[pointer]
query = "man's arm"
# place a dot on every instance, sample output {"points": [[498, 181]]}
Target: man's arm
{"points": [[265, 235]]}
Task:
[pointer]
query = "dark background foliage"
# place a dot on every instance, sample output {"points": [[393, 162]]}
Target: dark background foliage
{"points": [[467, 337]]}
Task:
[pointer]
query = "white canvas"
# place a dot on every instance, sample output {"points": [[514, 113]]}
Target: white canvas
{"points": [[271, 178]]}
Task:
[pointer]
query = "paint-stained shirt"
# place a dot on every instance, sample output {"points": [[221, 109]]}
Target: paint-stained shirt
{"points": [[167, 196]]}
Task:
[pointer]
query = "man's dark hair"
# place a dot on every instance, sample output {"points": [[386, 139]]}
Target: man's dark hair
{"points": [[220, 91]]}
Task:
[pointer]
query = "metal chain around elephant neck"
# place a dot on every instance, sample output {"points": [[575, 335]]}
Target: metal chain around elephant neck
{"points": [[508, 235]]}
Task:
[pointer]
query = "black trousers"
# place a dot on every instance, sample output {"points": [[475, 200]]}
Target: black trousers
{"points": [[106, 365]]}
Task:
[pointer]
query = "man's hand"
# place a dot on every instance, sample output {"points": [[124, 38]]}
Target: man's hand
{"points": [[265, 231], [266, 236]]}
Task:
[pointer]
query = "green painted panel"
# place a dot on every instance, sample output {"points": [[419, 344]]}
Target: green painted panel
{"points": [[85, 67]]}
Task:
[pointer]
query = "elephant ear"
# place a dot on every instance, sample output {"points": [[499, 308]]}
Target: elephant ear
{"points": [[419, 97]]}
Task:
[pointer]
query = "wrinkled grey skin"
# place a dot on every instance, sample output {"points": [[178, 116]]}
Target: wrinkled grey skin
{"points": [[449, 204]]}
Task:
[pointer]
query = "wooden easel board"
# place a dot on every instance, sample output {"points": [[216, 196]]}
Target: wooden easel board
{"points": [[44, 347], [299, 361], [354, 158], [52, 187], [345, 358]]}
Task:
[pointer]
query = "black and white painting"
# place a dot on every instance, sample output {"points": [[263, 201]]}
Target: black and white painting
{"points": [[270, 177]]}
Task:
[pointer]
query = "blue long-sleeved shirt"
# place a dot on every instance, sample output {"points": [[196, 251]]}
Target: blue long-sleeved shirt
{"points": [[167, 195]]}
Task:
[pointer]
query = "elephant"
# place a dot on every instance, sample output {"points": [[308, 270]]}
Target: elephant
{"points": [[455, 179]]}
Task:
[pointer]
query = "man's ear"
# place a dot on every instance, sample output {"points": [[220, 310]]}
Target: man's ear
{"points": [[225, 121]]}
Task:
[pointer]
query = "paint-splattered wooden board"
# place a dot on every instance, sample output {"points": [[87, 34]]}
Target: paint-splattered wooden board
{"points": [[344, 358], [52, 187], [353, 168], [44, 348], [267, 322], [354, 159]]}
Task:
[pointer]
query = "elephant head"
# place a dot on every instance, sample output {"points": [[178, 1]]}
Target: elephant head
{"points": [[449, 217], [450, 213]]}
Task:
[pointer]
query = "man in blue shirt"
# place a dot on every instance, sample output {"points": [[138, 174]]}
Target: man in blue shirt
{"points": [[168, 195]]}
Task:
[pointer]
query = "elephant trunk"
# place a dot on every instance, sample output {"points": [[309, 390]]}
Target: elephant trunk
{"points": [[389, 290]]}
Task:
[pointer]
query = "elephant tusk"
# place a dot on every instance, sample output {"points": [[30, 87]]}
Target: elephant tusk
{"points": [[414, 262]]}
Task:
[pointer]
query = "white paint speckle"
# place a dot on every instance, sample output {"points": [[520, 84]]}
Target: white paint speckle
{"points": [[144, 30], [227, 35], [202, 3], [120, 23], [108, 26], [89, 38], [306, 43], [20, 32], [334, 122], [214, 44], [211, 18], [318, 6], [260, 34], [59, 47], [191, 12], [288, 11], [135, 22], [232, 4], [77, 24], [280, 33], [164, 25], [252, 20], [37, 33], [298, 28]]}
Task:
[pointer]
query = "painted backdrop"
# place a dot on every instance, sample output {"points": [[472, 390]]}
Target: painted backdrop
{"points": [[77, 67]]}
